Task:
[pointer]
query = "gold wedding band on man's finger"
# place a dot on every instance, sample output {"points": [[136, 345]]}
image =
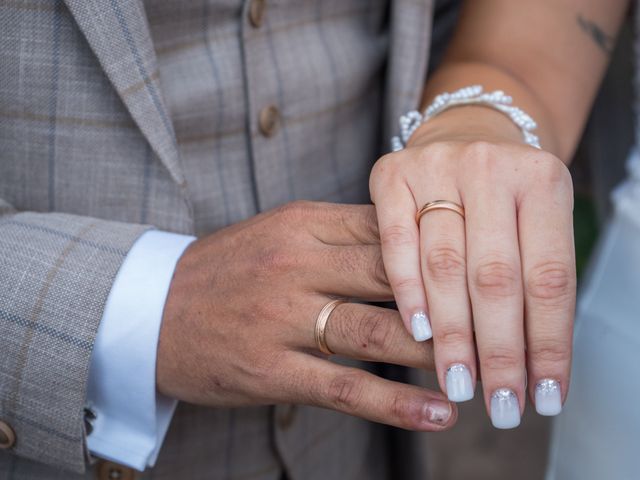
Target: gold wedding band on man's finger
{"points": [[320, 332], [369, 333]]}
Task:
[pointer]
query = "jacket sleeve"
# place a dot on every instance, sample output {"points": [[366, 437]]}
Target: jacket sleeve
{"points": [[56, 272]]}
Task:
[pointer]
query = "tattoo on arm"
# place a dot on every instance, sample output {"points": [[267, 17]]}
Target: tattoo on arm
{"points": [[602, 39]]}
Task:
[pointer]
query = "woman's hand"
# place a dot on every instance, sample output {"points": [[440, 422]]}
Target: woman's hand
{"points": [[505, 273]]}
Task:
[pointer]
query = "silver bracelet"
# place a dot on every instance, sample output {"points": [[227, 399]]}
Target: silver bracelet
{"points": [[473, 95]]}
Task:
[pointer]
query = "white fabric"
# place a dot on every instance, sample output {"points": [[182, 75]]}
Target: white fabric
{"points": [[598, 434], [131, 417], [626, 197]]}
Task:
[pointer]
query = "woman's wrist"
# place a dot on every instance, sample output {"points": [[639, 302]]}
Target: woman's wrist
{"points": [[467, 123], [452, 75]]}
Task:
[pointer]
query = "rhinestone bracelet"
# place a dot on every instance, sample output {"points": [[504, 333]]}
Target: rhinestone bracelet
{"points": [[473, 95]]}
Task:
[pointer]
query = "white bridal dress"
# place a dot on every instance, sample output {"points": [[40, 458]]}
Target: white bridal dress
{"points": [[597, 436]]}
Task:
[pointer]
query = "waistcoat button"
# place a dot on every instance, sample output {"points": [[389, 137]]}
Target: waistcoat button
{"points": [[269, 120], [7, 436], [256, 12]]}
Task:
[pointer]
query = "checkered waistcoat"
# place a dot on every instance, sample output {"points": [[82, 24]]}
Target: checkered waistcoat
{"points": [[117, 116]]}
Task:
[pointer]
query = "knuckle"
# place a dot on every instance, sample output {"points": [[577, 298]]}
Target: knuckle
{"points": [[383, 171], [502, 359], [551, 281], [296, 210], [374, 331], [380, 273], [407, 285], [384, 164], [495, 278], [451, 335], [439, 151], [436, 158], [403, 410], [550, 350], [551, 169], [481, 149], [262, 371], [371, 221], [349, 261], [445, 263], [481, 155], [564, 177], [345, 391], [399, 236], [344, 326]]}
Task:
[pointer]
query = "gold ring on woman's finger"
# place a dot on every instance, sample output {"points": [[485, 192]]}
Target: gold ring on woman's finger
{"points": [[439, 205]]}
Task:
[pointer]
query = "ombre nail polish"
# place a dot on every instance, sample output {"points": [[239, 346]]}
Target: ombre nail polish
{"points": [[505, 410], [459, 383], [420, 327], [548, 397]]}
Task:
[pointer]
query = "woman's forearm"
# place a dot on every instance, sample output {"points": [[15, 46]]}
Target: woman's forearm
{"points": [[549, 55], [492, 263], [477, 120]]}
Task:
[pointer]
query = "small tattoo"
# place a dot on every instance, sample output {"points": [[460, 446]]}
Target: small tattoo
{"points": [[602, 39]]}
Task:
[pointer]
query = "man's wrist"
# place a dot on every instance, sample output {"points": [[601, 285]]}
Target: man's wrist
{"points": [[180, 289]]}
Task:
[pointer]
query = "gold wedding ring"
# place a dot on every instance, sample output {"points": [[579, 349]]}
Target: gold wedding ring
{"points": [[321, 326], [439, 205]]}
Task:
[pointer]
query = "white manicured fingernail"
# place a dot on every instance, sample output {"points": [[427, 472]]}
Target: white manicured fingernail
{"points": [[420, 327], [459, 383], [548, 397], [505, 410]]}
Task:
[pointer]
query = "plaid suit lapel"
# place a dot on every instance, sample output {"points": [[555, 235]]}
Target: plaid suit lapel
{"points": [[118, 34], [411, 23]]}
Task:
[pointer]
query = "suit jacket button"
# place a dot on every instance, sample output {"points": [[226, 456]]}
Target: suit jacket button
{"points": [[7, 436], [256, 12], [113, 471], [269, 120]]}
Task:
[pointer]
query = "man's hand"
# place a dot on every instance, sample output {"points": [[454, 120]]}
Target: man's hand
{"points": [[238, 326]]}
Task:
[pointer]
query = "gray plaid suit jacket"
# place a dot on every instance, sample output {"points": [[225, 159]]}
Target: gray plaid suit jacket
{"points": [[90, 158]]}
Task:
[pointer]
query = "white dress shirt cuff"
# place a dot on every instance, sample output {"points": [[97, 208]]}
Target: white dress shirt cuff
{"points": [[131, 417]]}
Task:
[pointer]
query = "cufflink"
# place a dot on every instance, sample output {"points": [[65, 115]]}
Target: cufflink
{"points": [[89, 418]]}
